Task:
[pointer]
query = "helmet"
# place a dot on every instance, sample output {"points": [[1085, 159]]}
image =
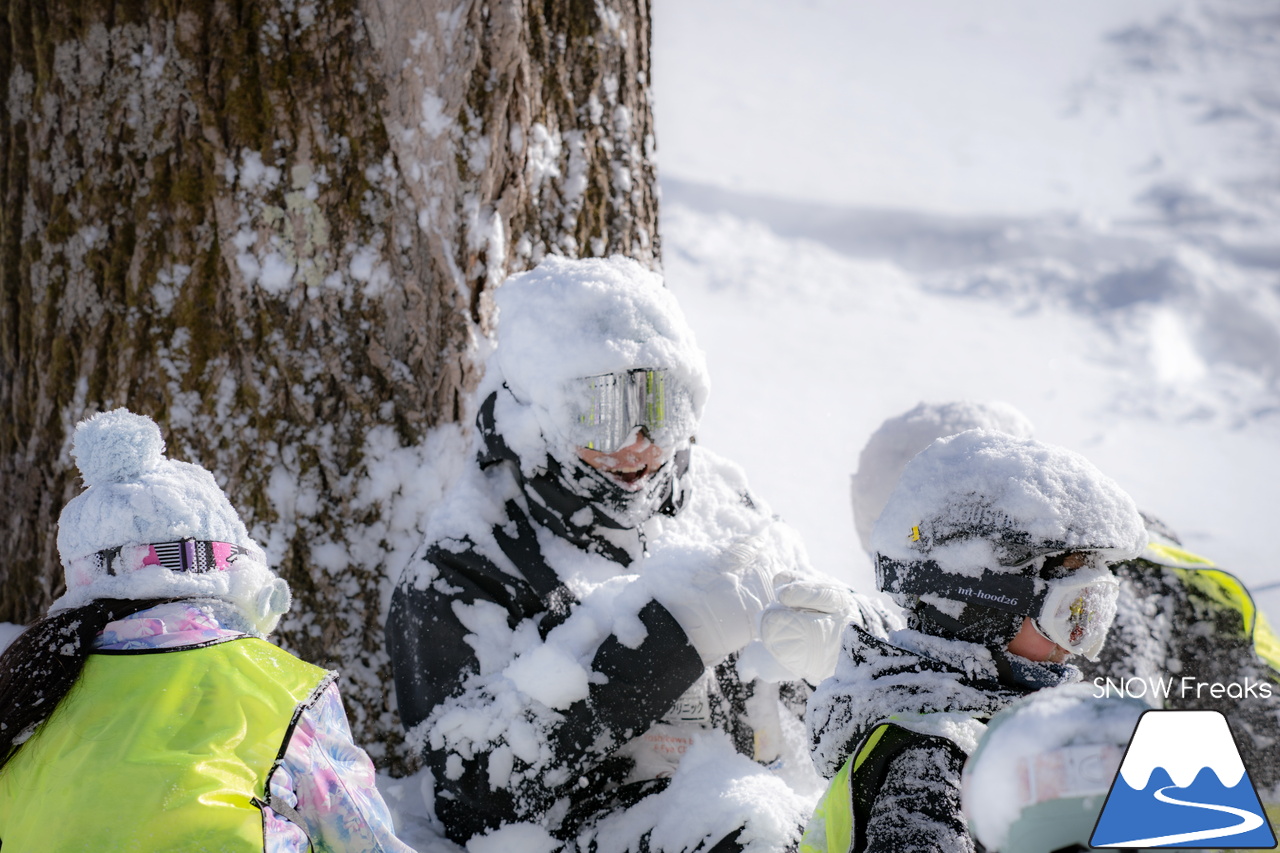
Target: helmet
{"points": [[1041, 773], [589, 355], [982, 521], [900, 438]]}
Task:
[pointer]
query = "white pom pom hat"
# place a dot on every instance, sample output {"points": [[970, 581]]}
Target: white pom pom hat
{"points": [[151, 527]]}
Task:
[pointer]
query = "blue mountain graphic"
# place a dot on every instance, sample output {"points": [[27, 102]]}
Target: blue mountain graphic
{"points": [[1131, 814]]}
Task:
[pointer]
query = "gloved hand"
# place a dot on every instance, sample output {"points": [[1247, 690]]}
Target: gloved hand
{"points": [[802, 628], [718, 605]]}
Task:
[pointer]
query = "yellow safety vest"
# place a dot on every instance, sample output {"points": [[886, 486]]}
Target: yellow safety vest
{"points": [[158, 750], [1200, 575], [839, 823]]}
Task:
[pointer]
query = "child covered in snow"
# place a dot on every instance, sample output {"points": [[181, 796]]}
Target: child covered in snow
{"points": [[147, 711], [1177, 615], [575, 644], [998, 549]]}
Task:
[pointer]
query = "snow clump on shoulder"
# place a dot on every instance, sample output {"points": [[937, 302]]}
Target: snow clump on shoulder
{"points": [[984, 499]]}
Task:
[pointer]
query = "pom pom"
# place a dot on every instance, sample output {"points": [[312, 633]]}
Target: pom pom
{"points": [[116, 446]]}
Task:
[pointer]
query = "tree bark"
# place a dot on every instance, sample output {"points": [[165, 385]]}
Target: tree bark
{"points": [[275, 228]]}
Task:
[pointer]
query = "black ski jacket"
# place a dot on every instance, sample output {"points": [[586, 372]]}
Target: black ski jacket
{"points": [[432, 660], [903, 792]]}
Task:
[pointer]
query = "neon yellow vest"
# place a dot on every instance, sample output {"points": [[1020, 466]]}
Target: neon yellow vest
{"points": [[1201, 575], [157, 751], [838, 824]]}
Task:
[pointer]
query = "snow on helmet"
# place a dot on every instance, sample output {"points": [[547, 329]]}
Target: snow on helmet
{"points": [[151, 527], [1041, 773], [900, 438], [588, 354], [593, 350], [985, 521]]}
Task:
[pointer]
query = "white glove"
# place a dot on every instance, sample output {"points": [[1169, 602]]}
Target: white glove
{"points": [[718, 605], [802, 629]]}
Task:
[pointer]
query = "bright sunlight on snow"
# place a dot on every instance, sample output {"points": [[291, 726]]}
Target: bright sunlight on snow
{"points": [[1071, 208]]}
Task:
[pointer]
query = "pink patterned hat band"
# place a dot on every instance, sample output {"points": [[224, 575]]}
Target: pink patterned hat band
{"points": [[193, 556]]}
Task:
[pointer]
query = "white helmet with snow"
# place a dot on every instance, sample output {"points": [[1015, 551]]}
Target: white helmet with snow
{"points": [[592, 350], [896, 442]]}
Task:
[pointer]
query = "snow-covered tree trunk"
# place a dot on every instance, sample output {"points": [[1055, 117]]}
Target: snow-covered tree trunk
{"points": [[273, 227]]}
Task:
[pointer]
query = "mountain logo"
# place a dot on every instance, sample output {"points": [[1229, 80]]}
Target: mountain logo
{"points": [[1182, 783]]}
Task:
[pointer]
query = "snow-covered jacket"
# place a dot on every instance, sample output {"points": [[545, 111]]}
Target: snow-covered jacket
{"points": [[320, 792], [539, 677], [894, 725], [1183, 626]]}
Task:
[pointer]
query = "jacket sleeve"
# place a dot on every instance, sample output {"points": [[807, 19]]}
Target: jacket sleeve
{"points": [[537, 755], [327, 784], [917, 806]]}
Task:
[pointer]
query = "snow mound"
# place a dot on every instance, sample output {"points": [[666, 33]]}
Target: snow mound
{"points": [[981, 499], [900, 438]]}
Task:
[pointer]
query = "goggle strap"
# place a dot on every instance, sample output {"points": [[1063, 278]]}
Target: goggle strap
{"points": [[1012, 593], [195, 556]]}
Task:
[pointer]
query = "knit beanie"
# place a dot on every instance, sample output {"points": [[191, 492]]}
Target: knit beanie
{"points": [[150, 527]]}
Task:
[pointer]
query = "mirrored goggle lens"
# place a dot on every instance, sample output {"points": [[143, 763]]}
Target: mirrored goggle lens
{"points": [[615, 405], [1078, 613]]}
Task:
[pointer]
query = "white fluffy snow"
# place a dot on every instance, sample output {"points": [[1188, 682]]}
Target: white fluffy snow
{"points": [[984, 478], [1072, 210]]}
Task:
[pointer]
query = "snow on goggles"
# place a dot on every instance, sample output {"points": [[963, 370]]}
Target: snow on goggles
{"points": [[1078, 611], [1075, 610], [612, 406], [195, 556]]}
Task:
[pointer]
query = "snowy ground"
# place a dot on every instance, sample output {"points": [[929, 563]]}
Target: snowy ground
{"points": [[1074, 209]]}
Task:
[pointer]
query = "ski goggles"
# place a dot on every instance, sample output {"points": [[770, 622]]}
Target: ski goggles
{"points": [[194, 556], [1078, 611], [611, 407], [1073, 608]]}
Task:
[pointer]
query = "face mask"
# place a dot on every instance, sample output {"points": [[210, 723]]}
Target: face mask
{"points": [[610, 408]]}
